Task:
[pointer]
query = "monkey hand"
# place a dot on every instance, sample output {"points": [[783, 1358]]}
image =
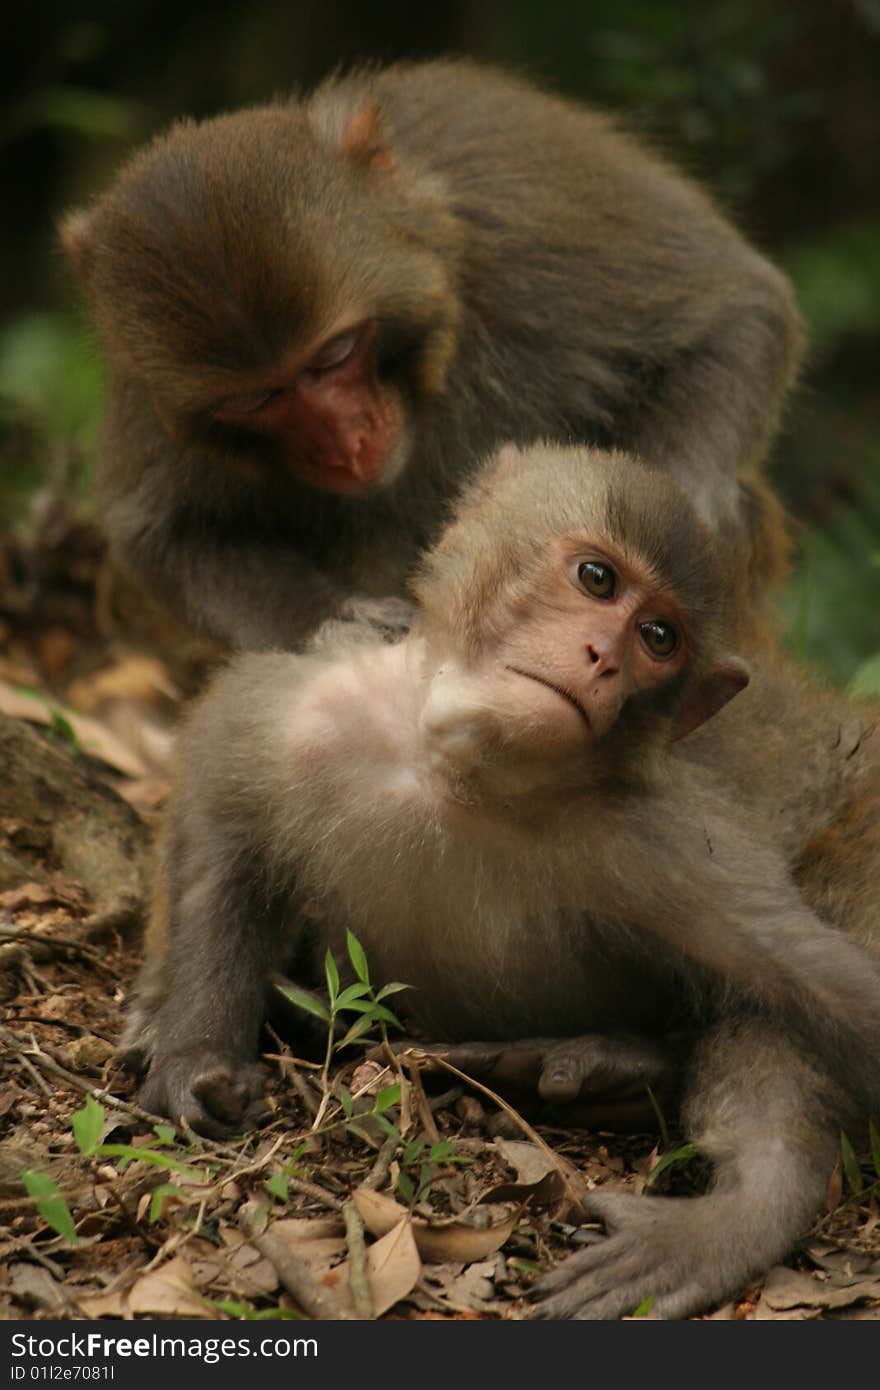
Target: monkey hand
{"points": [[215, 1095], [566, 1069], [606, 1074], [391, 618], [682, 1253]]}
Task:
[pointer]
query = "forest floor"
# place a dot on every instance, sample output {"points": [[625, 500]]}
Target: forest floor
{"points": [[367, 1193]]}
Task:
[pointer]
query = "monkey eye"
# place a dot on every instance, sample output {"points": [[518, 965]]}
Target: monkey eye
{"points": [[597, 578], [334, 353], [244, 405], [661, 639]]}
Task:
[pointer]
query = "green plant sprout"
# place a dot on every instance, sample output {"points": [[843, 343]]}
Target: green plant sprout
{"points": [[359, 998]]}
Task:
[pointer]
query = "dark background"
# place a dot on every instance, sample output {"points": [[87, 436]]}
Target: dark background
{"points": [[774, 105]]}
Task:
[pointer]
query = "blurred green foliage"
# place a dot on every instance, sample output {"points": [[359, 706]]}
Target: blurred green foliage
{"points": [[776, 106]]}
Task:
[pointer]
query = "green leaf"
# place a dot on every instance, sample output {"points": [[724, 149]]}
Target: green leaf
{"points": [[387, 1016], [851, 1165], [332, 974], [442, 1152], [157, 1201], [350, 993], [393, 988], [87, 1125], [346, 1101], [387, 1127], [413, 1149], [247, 1313], [303, 999], [129, 1154], [359, 1006], [293, 1161], [357, 1030], [405, 1187], [388, 1096], [165, 1134], [357, 957], [63, 727], [644, 1308], [277, 1186], [49, 1203], [679, 1155]]}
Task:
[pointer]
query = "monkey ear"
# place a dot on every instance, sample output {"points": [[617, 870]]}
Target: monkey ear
{"points": [[364, 142], [726, 679], [75, 234]]}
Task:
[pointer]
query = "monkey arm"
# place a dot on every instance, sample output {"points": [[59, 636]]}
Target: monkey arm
{"points": [[725, 900], [718, 400], [767, 1118]]}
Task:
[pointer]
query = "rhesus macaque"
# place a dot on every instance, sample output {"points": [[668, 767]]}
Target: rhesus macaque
{"points": [[318, 314], [536, 810]]}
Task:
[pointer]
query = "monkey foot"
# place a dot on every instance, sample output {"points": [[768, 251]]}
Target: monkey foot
{"points": [[597, 1080], [679, 1253], [214, 1095]]}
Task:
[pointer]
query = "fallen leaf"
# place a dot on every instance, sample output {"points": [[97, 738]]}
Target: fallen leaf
{"points": [[92, 737], [393, 1267], [169, 1291], [786, 1289], [437, 1242], [530, 1163]]}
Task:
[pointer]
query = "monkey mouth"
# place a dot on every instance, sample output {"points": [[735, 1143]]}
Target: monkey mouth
{"points": [[560, 690]]}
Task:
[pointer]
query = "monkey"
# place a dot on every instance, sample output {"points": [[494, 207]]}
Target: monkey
{"points": [[319, 314], [558, 808]]}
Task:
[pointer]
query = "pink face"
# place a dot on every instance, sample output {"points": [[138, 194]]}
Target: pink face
{"points": [[337, 426], [563, 649], [597, 630]]}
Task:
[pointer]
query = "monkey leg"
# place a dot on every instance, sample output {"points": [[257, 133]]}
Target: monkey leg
{"points": [[767, 1119], [224, 939], [597, 1080]]}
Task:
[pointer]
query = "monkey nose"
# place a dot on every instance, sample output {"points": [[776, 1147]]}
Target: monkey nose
{"points": [[600, 662]]}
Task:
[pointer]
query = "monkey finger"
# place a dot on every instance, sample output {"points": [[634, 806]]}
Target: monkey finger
{"points": [[618, 1066]]}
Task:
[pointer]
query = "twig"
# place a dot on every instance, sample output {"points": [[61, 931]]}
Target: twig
{"points": [[429, 1124], [358, 1278], [318, 1194], [447, 1098], [99, 1093], [29, 1067], [567, 1178], [62, 942], [314, 1299], [379, 1173]]}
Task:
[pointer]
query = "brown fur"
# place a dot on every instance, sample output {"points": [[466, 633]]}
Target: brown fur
{"points": [[534, 273], [529, 875]]}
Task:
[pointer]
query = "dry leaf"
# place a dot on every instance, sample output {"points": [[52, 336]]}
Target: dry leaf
{"points": [[787, 1289], [393, 1267], [530, 1163], [437, 1242], [169, 1291], [93, 738]]}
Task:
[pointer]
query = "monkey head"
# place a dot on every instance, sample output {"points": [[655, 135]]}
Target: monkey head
{"points": [[573, 617], [241, 272]]}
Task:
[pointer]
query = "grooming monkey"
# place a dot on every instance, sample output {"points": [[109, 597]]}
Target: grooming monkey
{"points": [[545, 810], [318, 314]]}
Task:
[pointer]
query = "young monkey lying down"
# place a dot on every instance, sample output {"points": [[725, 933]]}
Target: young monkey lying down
{"points": [[537, 811]]}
